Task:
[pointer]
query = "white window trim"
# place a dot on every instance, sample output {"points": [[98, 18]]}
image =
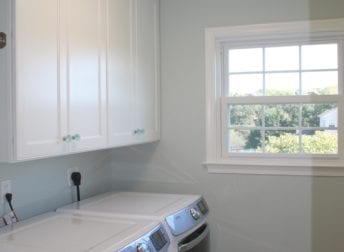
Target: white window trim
{"points": [[215, 163]]}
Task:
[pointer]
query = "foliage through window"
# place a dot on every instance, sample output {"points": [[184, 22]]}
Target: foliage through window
{"points": [[281, 98]]}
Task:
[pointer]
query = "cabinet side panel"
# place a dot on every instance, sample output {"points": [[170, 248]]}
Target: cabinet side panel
{"points": [[120, 72], [5, 82]]}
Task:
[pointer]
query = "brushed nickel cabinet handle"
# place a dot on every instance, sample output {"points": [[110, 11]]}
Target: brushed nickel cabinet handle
{"points": [[76, 137], [67, 139]]}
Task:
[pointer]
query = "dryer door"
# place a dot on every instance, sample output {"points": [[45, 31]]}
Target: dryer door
{"points": [[197, 241]]}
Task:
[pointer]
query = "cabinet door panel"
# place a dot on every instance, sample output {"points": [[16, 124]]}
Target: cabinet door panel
{"points": [[86, 75], [38, 86], [120, 72], [147, 72]]}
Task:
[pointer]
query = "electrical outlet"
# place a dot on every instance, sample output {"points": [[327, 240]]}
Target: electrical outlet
{"points": [[69, 173], [5, 187]]}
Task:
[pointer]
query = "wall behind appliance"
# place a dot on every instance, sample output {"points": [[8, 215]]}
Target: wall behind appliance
{"points": [[249, 213], [40, 186]]}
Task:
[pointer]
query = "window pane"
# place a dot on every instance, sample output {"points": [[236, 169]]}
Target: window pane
{"points": [[282, 58], [321, 83], [320, 115], [245, 141], [281, 141], [282, 84], [245, 84], [320, 142], [282, 115], [245, 115], [245, 60], [319, 56]]}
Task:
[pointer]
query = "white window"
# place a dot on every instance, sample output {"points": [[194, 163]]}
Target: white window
{"points": [[275, 98]]}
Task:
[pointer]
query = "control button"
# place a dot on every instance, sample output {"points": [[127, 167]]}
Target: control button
{"points": [[195, 214], [143, 247]]}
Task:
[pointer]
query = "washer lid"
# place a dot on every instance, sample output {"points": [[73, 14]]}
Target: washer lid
{"points": [[62, 232], [139, 205]]}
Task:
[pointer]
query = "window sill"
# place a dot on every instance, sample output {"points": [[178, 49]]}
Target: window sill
{"points": [[288, 167]]}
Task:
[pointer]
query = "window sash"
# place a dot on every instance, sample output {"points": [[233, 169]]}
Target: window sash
{"points": [[226, 46], [270, 100]]}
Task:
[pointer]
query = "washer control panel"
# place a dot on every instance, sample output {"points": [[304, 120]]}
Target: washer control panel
{"points": [[188, 217], [154, 241]]}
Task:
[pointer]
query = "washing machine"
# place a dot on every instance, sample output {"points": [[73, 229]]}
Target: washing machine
{"points": [[183, 216], [56, 232]]}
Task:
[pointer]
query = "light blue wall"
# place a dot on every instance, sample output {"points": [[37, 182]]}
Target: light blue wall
{"points": [[248, 213], [41, 186]]}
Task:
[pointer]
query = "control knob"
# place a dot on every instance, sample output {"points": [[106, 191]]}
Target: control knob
{"points": [[142, 247], [195, 214]]}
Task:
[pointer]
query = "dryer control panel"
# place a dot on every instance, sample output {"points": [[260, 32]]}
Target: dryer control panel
{"points": [[155, 241], [188, 217]]}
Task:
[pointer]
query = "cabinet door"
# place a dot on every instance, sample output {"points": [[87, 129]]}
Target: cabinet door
{"points": [[147, 72], [84, 38], [120, 72], [38, 86]]}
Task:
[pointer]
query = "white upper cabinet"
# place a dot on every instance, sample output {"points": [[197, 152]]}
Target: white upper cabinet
{"points": [[37, 94], [147, 70], [134, 72], [83, 37], [77, 75], [121, 72]]}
